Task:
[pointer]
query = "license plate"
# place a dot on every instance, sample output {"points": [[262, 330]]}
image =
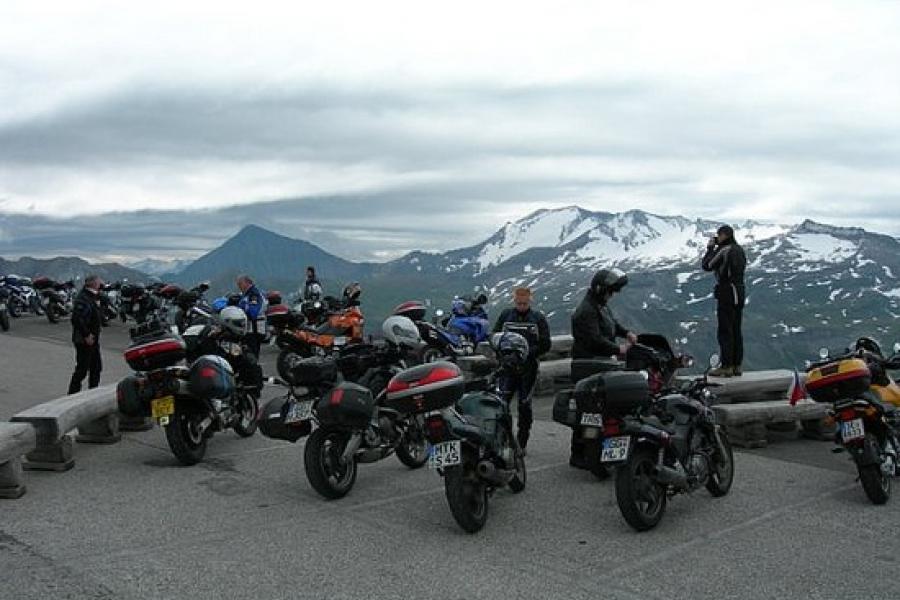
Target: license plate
{"points": [[162, 407], [445, 454], [592, 419], [340, 341], [852, 430], [2, 306], [615, 449], [299, 411]]}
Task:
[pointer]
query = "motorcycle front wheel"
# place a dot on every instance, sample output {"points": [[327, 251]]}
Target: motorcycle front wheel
{"points": [[185, 439], [722, 473], [413, 448], [467, 497], [322, 462], [248, 416], [641, 499]]}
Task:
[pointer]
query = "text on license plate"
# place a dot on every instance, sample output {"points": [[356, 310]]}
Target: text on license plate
{"points": [[615, 448], [162, 407], [444, 454], [852, 430], [592, 419], [299, 411]]}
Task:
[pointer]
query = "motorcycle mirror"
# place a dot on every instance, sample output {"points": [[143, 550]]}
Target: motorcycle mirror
{"points": [[439, 313], [896, 347], [823, 353], [715, 361]]}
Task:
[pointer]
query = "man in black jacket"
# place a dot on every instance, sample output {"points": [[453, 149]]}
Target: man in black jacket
{"points": [[594, 334], [533, 326], [727, 260], [87, 322]]}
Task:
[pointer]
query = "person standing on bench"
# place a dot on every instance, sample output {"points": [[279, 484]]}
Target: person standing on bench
{"points": [[594, 334], [86, 325], [725, 257]]}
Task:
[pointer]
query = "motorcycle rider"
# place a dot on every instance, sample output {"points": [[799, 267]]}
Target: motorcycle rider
{"points": [[594, 334], [253, 303], [312, 289], [538, 344], [725, 257], [86, 326]]}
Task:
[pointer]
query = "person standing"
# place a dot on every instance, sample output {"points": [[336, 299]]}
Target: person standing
{"points": [[725, 257], [594, 336], [87, 321], [253, 303], [312, 289], [532, 324]]}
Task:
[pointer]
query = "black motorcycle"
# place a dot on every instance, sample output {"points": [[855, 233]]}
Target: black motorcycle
{"points": [[137, 303], [662, 444], [471, 436], [56, 297], [190, 402]]}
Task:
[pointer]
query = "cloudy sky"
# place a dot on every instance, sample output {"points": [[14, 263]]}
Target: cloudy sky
{"points": [[386, 126]]}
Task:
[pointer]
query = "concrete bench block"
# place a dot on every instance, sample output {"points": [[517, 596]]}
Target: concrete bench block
{"points": [[16, 439], [747, 423], [751, 434], [57, 455], [104, 430]]}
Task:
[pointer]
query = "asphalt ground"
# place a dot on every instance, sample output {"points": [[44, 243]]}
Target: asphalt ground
{"points": [[129, 523]]}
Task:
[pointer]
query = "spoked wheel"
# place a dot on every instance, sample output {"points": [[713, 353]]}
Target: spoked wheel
{"points": [[876, 483], [413, 448], [322, 461], [467, 497], [186, 440], [248, 420], [722, 472], [641, 499]]}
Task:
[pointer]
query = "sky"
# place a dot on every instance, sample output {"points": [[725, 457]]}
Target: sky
{"points": [[377, 128]]}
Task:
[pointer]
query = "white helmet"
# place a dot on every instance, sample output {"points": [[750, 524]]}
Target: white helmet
{"points": [[235, 319], [401, 331]]}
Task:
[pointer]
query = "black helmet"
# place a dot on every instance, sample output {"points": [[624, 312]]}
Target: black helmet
{"points": [[612, 280], [867, 344], [352, 293], [511, 348]]}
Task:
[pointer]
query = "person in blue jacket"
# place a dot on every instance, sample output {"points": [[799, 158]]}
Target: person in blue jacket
{"points": [[253, 302]]}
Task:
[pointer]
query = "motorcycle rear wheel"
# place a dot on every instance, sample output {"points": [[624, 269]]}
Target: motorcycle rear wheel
{"points": [[467, 497], [4, 321], [248, 412], [641, 500], [875, 482], [413, 449], [13, 308], [321, 460], [186, 441], [722, 475]]}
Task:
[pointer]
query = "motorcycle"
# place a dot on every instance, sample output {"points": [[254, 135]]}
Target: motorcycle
{"points": [[21, 295], [663, 441], [448, 338], [56, 297], [110, 302], [190, 402], [137, 303], [4, 311], [471, 436], [356, 422], [865, 401]]}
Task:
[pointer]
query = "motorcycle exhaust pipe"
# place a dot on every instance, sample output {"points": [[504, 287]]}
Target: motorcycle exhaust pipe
{"points": [[669, 476], [489, 472], [353, 445]]}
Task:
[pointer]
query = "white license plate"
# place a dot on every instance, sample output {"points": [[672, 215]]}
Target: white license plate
{"points": [[299, 411], [852, 430], [2, 306], [340, 341], [615, 449], [445, 454], [592, 419]]}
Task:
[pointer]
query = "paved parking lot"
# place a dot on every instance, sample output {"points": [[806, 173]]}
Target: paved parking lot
{"points": [[129, 522]]}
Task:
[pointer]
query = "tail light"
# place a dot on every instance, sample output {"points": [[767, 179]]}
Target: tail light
{"points": [[435, 428], [611, 427], [336, 396], [848, 414]]}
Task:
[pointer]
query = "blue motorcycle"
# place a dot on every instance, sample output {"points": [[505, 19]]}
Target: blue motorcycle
{"points": [[448, 337]]}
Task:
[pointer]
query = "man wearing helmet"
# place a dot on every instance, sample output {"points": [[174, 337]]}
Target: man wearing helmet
{"points": [[253, 303], [532, 325], [594, 334], [727, 260]]}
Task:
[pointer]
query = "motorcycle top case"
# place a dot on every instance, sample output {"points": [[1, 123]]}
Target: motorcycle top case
{"points": [[613, 393], [313, 371], [151, 352], [43, 283], [585, 367], [347, 405], [211, 377], [279, 315], [413, 309], [424, 388], [272, 423], [838, 380]]}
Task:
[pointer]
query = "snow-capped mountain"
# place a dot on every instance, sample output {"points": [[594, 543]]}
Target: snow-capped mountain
{"points": [[157, 267]]}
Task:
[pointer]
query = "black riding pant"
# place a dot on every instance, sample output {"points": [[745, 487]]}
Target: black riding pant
{"points": [[87, 364], [522, 387], [731, 339]]}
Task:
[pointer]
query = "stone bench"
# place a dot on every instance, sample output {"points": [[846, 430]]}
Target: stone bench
{"points": [[16, 439], [93, 413], [748, 423]]}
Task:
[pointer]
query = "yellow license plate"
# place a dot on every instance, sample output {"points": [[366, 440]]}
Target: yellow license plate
{"points": [[162, 407]]}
